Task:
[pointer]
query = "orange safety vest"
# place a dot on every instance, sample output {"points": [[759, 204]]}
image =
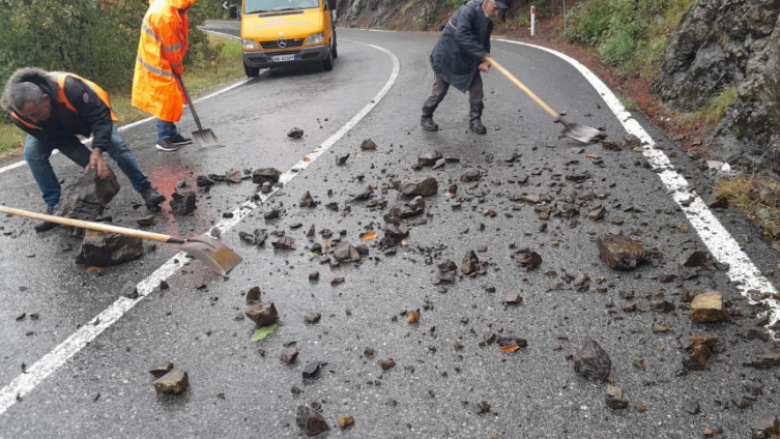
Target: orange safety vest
{"points": [[164, 41], [60, 77], [62, 98]]}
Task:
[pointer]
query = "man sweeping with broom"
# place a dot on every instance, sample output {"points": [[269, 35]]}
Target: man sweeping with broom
{"points": [[459, 57]]}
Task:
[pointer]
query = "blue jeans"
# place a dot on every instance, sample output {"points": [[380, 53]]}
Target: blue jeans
{"points": [[37, 154], [165, 130]]}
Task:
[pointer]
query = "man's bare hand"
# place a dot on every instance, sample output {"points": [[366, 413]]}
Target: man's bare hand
{"points": [[485, 58], [96, 162], [484, 67]]}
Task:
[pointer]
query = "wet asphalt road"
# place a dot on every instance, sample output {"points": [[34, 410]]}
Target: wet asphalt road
{"points": [[533, 393]]}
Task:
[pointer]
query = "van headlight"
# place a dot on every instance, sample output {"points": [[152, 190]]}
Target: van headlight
{"points": [[315, 39], [249, 44]]}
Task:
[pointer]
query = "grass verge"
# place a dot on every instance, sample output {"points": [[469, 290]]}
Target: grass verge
{"points": [[225, 65], [758, 198]]}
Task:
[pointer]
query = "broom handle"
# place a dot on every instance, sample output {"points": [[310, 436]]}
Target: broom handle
{"points": [[93, 226], [533, 96]]}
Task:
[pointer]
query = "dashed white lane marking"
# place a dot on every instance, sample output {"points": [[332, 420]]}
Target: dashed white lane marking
{"points": [[723, 246], [239, 83], [44, 367]]}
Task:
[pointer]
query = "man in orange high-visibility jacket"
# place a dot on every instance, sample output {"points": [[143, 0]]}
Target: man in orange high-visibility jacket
{"points": [[53, 108], [164, 41]]}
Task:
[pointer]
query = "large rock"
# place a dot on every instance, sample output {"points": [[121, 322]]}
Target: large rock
{"points": [[271, 175], [592, 362], [87, 196], [107, 249], [707, 308], [263, 314], [766, 360], [728, 44], [621, 252]]}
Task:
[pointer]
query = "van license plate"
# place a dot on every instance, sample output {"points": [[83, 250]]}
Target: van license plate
{"points": [[281, 58]]}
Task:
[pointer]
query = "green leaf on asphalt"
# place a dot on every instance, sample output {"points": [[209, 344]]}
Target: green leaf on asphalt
{"points": [[312, 255], [263, 332]]}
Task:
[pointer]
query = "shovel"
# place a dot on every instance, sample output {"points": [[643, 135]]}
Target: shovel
{"points": [[212, 253], [582, 133], [205, 137]]}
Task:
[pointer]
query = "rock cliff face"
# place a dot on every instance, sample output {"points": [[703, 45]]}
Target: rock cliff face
{"points": [[724, 44]]}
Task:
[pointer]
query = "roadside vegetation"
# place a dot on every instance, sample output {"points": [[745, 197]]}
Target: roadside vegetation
{"points": [[98, 39]]}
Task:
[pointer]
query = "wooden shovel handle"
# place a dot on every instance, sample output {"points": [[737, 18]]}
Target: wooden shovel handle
{"points": [[528, 91], [93, 226]]}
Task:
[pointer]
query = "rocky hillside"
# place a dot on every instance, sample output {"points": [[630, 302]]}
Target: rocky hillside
{"points": [[724, 45]]}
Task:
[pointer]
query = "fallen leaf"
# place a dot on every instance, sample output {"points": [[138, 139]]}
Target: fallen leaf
{"points": [[306, 159], [403, 242], [510, 349], [263, 332], [92, 269], [326, 244], [369, 236]]}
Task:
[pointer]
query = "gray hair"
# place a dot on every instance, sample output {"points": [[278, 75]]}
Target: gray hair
{"points": [[24, 93]]}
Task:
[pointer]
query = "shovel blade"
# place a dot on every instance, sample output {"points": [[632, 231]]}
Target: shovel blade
{"points": [[206, 138], [212, 253], [582, 133]]}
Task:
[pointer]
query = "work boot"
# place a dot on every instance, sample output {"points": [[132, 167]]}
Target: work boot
{"points": [[152, 198], [179, 140], [475, 117], [45, 226], [427, 119]]}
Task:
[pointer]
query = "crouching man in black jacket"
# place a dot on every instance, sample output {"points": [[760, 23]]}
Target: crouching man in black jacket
{"points": [[55, 107]]}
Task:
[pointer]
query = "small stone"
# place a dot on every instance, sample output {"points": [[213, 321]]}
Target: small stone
{"points": [[387, 364], [707, 308], [289, 355], [698, 359], [341, 160], [160, 369], [129, 290], [174, 382], [615, 399], [413, 317], [295, 133], [271, 214], [513, 299], [183, 203], [284, 243], [368, 352], [315, 276], [310, 421], [691, 407], [346, 421], [425, 187], [429, 158], [312, 317], [708, 432], [336, 281], [766, 360], [692, 258], [263, 314], [621, 252], [629, 306], [592, 362], [307, 200], [368, 145], [269, 175], [253, 295], [312, 370]]}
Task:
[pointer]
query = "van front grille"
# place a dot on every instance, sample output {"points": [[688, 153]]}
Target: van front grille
{"points": [[271, 45]]}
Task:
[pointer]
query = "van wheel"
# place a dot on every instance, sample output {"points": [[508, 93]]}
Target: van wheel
{"points": [[327, 65], [251, 72], [335, 46]]}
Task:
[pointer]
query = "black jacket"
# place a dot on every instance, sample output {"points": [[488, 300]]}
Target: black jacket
{"points": [[80, 109], [465, 40]]}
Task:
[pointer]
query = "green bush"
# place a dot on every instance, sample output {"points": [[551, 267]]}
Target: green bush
{"points": [[630, 34], [97, 40]]}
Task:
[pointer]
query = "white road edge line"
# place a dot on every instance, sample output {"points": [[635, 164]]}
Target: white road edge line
{"points": [[723, 246], [44, 367], [238, 83]]}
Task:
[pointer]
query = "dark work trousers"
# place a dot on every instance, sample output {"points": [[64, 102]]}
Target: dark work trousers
{"points": [[440, 88]]}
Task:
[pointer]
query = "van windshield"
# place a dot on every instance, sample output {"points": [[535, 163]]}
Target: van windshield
{"points": [[258, 6]]}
